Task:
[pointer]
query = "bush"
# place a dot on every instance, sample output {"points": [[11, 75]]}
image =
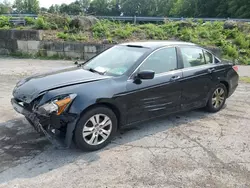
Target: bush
{"points": [[72, 37], [4, 21], [52, 26], [241, 41], [5, 27], [186, 34], [29, 21], [41, 24], [57, 21], [231, 51], [62, 35]]}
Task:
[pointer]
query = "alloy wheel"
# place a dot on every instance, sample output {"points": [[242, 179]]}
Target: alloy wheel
{"points": [[218, 97], [97, 129]]}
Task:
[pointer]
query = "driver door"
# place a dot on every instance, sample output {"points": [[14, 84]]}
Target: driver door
{"points": [[160, 95]]}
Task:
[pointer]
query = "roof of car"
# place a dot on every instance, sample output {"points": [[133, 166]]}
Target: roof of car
{"points": [[157, 44]]}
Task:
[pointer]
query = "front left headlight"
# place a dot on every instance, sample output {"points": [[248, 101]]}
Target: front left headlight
{"points": [[58, 105]]}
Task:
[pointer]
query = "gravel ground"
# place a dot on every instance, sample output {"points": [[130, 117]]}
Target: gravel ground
{"points": [[193, 149]]}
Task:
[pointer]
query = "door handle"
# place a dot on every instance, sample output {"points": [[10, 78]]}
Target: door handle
{"points": [[174, 78], [211, 70]]}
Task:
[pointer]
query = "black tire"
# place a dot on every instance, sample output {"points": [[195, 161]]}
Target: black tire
{"points": [[78, 133], [210, 107]]}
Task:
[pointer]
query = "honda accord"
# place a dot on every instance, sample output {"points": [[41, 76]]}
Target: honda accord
{"points": [[126, 84]]}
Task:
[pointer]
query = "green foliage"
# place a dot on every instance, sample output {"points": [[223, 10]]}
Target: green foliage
{"points": [[4, 21], [5, 27], [241, 41], [63, 35], [231, 51], [27, 6], [66, 28], [29, 21], [41, 24], [234, 43], [71, 36], [245, 79], [5, 7], [56, 21]]}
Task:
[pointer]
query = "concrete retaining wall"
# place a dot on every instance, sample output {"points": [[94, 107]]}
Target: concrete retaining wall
{"points": [[30, 42]]}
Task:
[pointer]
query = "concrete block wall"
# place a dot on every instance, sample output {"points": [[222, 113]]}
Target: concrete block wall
{"points": [[70, 49], [30, 42]]}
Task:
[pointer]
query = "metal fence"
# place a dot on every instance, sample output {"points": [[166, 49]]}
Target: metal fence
{"points": [[138, 19], [162, 19]]}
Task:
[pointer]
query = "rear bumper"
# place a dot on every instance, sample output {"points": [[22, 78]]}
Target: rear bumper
{"points": [[232, 90]]}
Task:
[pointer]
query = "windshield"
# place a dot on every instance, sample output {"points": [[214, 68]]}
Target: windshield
{"points": [[115, 61]]}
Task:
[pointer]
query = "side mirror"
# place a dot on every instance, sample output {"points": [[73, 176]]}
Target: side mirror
{"points": [[146, 75]]}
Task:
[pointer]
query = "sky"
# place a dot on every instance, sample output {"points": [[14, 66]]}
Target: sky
{"points": [[48, 3]]}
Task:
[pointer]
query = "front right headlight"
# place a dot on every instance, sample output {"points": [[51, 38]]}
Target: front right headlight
{"points": [[58, 105]]}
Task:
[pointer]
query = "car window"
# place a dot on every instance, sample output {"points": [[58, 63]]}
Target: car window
{"points": [[192, 57], [208, 57], [116, 60], [161, 61]]}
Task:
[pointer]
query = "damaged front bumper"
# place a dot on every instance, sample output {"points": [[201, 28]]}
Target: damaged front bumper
{"points": [[51, 129]]}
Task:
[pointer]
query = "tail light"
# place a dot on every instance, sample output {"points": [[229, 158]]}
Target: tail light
{"points": [[236, 68]]}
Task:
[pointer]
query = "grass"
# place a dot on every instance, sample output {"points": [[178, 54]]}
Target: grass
{"points": [[245, 79]]}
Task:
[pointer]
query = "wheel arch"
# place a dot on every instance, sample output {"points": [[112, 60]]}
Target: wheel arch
{"points": [[226, 84], [109, 105]]}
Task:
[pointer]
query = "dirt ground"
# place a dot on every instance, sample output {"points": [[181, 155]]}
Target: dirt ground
{"points": [[192, 149]]}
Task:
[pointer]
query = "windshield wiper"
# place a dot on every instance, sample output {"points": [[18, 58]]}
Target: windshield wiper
{"points": [[95, 71]]}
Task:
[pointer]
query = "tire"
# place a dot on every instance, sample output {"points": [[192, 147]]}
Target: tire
{"points": [[215, 102], [89, 135]]}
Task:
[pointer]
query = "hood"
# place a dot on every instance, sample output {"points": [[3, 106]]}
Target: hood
{"points": [[28, 89]]}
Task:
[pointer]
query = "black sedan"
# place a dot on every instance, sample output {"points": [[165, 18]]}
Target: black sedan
{"points": [[123, 85]]}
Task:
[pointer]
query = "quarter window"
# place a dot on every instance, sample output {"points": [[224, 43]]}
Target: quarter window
{"points": [[161, 61], [208, 57], [192, 57]]}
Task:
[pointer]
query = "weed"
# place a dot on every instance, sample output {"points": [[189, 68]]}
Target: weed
{"points": [[245, 79], [41, 24]]}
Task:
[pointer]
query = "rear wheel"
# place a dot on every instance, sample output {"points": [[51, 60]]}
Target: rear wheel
{"points": [[95, 129], [217, 98]]}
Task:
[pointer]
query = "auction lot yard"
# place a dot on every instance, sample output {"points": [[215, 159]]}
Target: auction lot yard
{"points": [[192, 149]]}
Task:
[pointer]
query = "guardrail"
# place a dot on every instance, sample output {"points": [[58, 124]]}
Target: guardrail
{"points": [[17, 21], [137, 19], [21, 15]]}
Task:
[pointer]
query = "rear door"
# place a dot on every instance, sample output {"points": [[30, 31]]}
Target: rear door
{"points": [[158, 96], [198, 76]]}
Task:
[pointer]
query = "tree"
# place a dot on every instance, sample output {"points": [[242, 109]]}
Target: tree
{"points": [[176, 8], [139, 7], [27, 6], [5, 7], [84, 4], [52, 9], [71, 9], [43, 9], [239, 9], [101, 7]]}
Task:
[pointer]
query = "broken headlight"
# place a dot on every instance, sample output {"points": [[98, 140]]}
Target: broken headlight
{"points": [[58, 105]]}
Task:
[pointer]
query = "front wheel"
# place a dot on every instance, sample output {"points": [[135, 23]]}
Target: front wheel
{"points": [[95, 129], [217, 98]]}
